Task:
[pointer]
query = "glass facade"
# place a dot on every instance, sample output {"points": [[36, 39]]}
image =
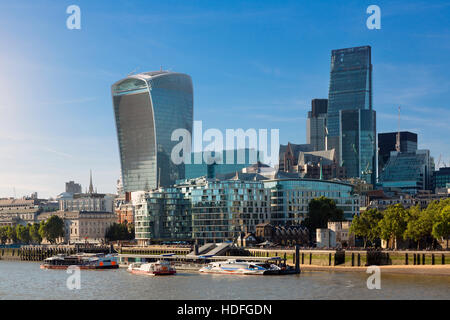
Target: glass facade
{"points": [[358, 143], [387, 142], [441, 178], [408, 171], [221, 167], [148, 107], [290, 198], [352, 133]]}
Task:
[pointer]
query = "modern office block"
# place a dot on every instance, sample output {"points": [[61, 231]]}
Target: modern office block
{"points": [[387, 142], [316, 124], [148, 107], [358, 143], [408, 172], [441, 178]]}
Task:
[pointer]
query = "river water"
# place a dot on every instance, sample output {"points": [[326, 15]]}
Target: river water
{"points": [[25, 280]]}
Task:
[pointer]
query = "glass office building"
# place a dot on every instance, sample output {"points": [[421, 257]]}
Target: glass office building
{"points": [[358, 143], [290, 198], [441, 178], [220, 164], [351, 89], [148, 107], [316, 124], [408, 172], [387, 142]]}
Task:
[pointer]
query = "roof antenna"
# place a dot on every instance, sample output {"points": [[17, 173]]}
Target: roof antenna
{"points": [[397, 143]]}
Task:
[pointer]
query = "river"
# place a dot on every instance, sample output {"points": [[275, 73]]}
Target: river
{"points": [[25, 280]]}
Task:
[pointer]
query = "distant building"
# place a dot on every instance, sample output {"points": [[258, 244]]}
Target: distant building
{"points": [[387, 142], [220, 163], [124, 209], [342, 233], [282, 235], [408, 172], [441, 178], [83, 226], [18, 211], [72, 187], [148, 108], [316, 124], [289, 154], [325, 238]]}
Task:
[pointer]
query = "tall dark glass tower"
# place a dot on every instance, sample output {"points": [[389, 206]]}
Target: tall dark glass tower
{"points": [[351, 123], [148, 107]]}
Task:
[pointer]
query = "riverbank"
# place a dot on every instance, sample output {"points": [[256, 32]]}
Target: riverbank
{"points": [[437, 270]]}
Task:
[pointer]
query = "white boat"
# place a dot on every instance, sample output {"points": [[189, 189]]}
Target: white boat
{"points": [[233, 266], [158, 268]]}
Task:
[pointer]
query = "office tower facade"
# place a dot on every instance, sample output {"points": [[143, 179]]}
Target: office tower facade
{"points": [[408, 172], [387, 142], [351, 132], [358, 143], [148, 107], [210, 167], [316, 124], [441, 178]]}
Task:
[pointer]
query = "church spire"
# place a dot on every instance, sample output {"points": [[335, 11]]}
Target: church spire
{"points": [[91, 187]]}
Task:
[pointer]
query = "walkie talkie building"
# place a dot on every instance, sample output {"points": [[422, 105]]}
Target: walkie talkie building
{"points": [[148, 107]]}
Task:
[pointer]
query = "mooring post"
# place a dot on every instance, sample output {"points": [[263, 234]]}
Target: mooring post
{"points": [[423, 258], [406, 258], [414, 257], [310, 258], [443, 259], [359, 259], [297, 259], [353, 259], [196, 249], [303, 258], [432, 258], [329, 259]]}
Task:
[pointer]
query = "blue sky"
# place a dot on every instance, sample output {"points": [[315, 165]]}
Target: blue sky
{"points": [[254, 64]]}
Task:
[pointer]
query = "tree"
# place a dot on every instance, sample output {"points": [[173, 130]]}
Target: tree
{"points": [[320, 211], [23, 234], [118, 231], [52, 229], [11, 233], [34, 233], [441, 226], [3, 234], [366, 225], [393, 224]]}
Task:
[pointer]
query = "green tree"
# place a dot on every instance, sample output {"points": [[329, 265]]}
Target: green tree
{"points": [[366, 225], [23, 234], [393, 224], [441, 226], [320, 211], [34, 233], [11, 233], [3, 234], [52, 229], [118, 231]]}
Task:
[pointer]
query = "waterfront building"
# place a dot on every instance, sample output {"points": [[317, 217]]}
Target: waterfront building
{"points": [[124, 209], [282, 235], [408, 172], [215, 164], [162, 214], [18, 211], [325, 238], [387, 142], [342, 233], [441, 178], [316, 124], [83, 226], [351, 123], [148, 107], [290, 198], [72, 187], [222, 210]]}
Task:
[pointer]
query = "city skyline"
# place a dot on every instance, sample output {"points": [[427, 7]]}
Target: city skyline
{"points": [[55, 133]]}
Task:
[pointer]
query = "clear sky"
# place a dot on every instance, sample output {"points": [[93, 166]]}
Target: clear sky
{"points": [[254, 64]]}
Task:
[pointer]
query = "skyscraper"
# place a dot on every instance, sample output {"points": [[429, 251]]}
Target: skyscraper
{"points": [[386, 144], [148, 107], [316, 123], [350, 131]]}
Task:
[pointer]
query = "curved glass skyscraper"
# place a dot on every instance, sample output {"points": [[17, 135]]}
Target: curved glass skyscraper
{"points": [[148, 107]]}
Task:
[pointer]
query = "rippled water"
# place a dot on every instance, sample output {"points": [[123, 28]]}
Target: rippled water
{"points": [[25, 280]]}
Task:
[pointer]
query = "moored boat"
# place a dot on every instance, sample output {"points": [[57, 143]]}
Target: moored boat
{"points": [[233, 266], [83, 261], [158, 268]]}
